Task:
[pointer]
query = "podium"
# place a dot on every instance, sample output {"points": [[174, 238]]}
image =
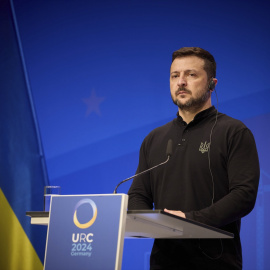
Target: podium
{"points": [[93, 237]]}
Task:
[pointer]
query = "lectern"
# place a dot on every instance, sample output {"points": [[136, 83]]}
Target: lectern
{"points": [[88, 231]]}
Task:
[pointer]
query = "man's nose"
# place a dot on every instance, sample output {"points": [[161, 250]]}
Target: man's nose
{"points": [[182, 81]]}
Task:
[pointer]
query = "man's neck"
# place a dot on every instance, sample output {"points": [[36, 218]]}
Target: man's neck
{"points": [[188, 115]]}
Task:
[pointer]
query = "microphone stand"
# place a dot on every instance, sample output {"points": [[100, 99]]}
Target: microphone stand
{"points": [[138, 174]]}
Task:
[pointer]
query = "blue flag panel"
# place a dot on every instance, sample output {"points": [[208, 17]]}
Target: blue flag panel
{"points": [[22, 170]]}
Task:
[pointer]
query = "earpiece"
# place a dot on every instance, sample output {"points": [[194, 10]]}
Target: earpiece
{"points": [[212, 85]]}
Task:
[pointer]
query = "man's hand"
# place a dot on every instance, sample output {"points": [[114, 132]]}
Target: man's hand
{"points": [[176, 213]]}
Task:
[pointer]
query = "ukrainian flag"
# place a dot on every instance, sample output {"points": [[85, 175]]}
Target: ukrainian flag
{"points": [[22, 169]]}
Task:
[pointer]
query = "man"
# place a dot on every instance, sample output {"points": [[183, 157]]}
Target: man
{"points": [[212, 176]]}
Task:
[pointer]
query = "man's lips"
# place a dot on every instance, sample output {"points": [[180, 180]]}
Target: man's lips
{"points": [[181, 92]]}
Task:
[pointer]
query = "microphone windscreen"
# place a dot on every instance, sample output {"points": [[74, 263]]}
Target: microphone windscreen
{"points": [[169, 148]]}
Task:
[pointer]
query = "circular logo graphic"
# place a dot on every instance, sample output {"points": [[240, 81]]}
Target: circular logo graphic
{"points": [[91, 221]]}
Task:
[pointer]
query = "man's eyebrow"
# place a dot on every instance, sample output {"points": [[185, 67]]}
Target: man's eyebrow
{"points": [[191, 70], [185, 71]]}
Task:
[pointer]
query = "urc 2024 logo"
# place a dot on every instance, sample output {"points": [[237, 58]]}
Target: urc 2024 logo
{"points": [[82, 242]]}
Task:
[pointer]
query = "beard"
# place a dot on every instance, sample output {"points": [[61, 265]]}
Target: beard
{"points": [[193, 103]]}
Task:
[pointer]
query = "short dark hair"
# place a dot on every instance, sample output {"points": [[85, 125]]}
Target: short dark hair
{"points": [[209, 60]]}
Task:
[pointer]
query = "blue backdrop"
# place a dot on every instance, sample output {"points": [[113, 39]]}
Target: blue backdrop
{"points": [[99, 74]]}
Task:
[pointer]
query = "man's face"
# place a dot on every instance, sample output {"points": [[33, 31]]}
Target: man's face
{"points": [[189, 83]]}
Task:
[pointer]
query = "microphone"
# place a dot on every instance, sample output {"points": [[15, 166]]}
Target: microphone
{"points": [[168, 154]]}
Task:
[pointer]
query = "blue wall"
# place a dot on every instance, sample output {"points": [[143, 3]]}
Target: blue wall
{"points": [[99, 73]]}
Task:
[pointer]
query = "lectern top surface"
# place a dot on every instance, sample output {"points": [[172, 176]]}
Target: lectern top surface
{"points": [[172, 226], [159, 224]]}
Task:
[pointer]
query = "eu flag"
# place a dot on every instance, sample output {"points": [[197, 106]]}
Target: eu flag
{"points": [[22, 169]]}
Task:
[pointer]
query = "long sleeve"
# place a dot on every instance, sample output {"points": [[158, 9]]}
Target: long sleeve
{"points": [[140, 196], [243, 176]]}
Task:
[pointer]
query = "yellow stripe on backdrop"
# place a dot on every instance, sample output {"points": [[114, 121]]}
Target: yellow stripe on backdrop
{"points": [[16, 251]]}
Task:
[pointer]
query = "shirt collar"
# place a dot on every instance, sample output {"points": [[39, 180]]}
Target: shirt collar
{"points": [[199, 116]]}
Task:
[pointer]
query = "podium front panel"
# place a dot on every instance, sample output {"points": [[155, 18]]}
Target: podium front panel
{"points": [[86, 232]]}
